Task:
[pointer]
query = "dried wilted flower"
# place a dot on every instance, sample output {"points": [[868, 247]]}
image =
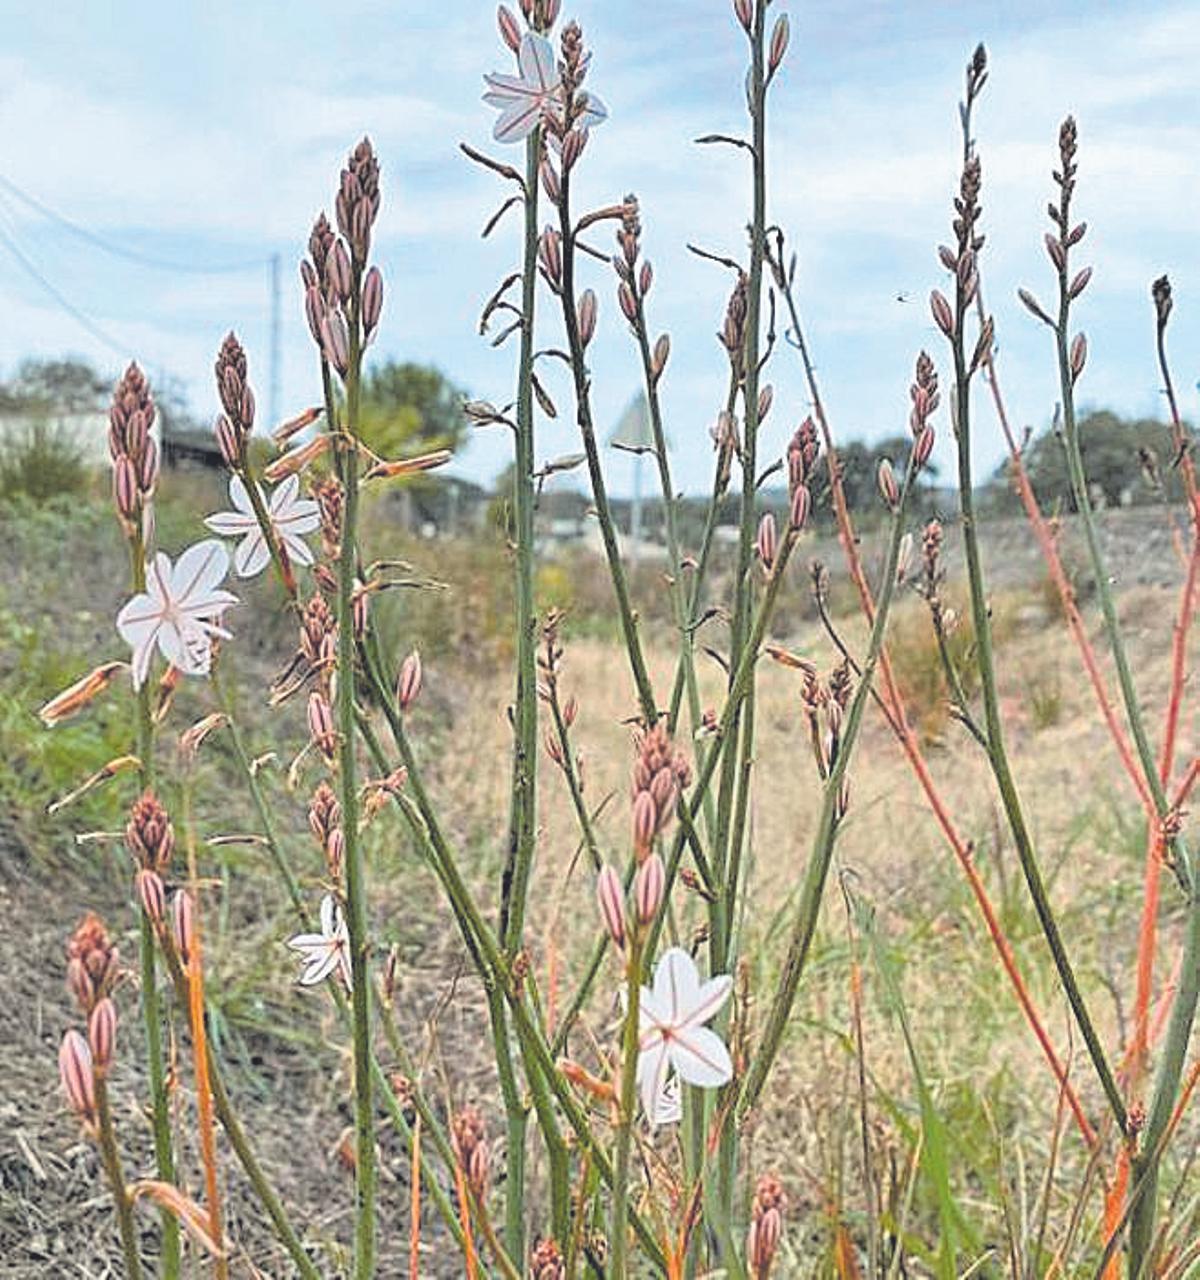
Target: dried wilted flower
{"points": [[660, 774], [469, 1138], [330, 500], [81, 694], [78, 1079], [889, 490], [91, 962], [149, 835], [321, 727], [183, 923]]}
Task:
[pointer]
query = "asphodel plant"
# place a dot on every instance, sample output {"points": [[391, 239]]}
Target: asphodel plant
{"points": [[625, 1083]]}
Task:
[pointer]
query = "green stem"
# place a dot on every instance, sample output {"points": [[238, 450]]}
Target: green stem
{"points": [[111, 1159], [151, 1011], [619, 1233], [356, 905], [827, 828]]}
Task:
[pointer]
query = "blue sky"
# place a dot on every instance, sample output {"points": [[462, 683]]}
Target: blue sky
{"points": [[212, 133]]}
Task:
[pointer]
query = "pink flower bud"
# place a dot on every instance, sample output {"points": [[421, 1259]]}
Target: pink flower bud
{"points": [[1032, 304], [572, 148], [949, 258], [372, 302], [408, 683], [148, 471], [800, 507], [767, 543], [628, 302], [227, 442], [610, 896], [1077, 234], [745, 13], [335, 341], [320, 724], [763, 1241], [779, 43], [942, 315], [649, 885], [339, 269], [151, 894], [1054, 248], [102, 1033], [75, 1070], [125, 487], [247, 408], [587, 316], [510, 31], [550, 255], [550, 183], [570, 710], [923, 447], [184, 924], [645, 278], [137, 433], [765, 398], [314, 311], [889, 490], [645, 822], [658, 360], [1078, 356], [1080, 283]]}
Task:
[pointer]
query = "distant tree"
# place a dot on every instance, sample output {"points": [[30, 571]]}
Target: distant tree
{"points": [[860, 461], [1115, 451], [66, 385], [407, 407]]}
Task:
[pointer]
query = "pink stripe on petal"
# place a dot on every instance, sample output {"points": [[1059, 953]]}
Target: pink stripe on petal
{"points": [[709, 999], [700, 1057]]}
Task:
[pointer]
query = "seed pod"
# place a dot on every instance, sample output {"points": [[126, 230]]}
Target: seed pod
{"points": [[767, 542], [587, 316], [102, 1034], [610, 897], [942, 315], [649, 886], [408, 683], [889, 490]]}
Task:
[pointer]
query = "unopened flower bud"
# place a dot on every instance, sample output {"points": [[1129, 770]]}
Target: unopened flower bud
{"points": [[550, 255], [75, 1070], [126, 495], [628, 302], [779, 43], [800, 507], [335, 340], [645, 823], [151, 894], [658, 360], [408, 684], [765, 398], [1031, 304], [587, 316], [610, 897], [227, 442], [320, 724], [372, 302], [148, 470], [184, 924], [767, 542], [649, 885], [645, 278], [942, 315], [339, 270], [1054, 248], [102, 1033], [550, 183], [1080, 283], [889, 490], [923, 447], [1078, 356], [570, 710], [745, 14], [510, 31]]}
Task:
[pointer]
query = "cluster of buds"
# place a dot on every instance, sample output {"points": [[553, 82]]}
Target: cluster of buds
{"points": [[925, 399], [540, 14], [546, 1262], [132, 448], [469, 1139], [325, 822], [91, 972], [235, 424], [634, 278], [339, 291], [660, 774], [150, 839], [961, 260], [549, 663], [766, 1226], [91, 963], [802, 452]]}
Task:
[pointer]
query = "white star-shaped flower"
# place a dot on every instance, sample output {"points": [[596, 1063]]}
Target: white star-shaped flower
{"points": [[525, 99], [672, 1033], [290, 515], [323, 953], [180, 610]]}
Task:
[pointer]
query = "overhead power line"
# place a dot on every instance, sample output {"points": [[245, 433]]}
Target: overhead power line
{"points": [[121, 251]]}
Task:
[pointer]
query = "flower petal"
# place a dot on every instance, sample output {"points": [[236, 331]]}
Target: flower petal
{"points": [[284, 495], [240, 496], [138, 618], [535, 57], [230, 524], [142, 653], [700, 1057], [199, 570], [594, 111], [652, 1066], [709, 999], [668, 1106], [518, 121], [329, 915], [676, 984], [251, 556], [318, 968]]}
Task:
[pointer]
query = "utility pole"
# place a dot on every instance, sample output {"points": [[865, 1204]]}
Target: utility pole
{"points": [[276, 415]]}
